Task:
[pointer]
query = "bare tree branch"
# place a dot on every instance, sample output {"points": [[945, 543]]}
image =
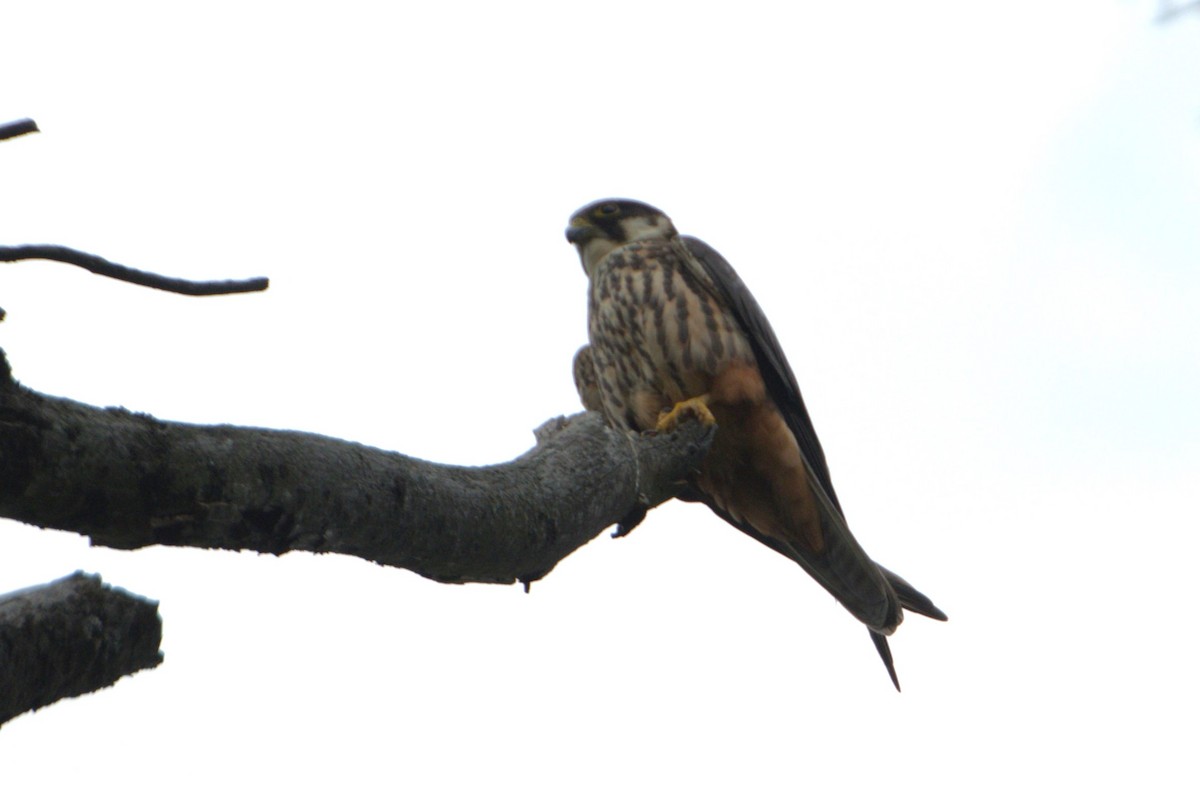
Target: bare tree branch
{"points": [[71, 637], [19, 127], [100, 266], [128, 481]]}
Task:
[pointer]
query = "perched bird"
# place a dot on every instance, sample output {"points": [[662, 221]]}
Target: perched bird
{"points": [[674, 333]]}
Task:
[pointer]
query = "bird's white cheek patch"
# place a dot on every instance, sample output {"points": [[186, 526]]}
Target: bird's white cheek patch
{"points": [[640, 228]]}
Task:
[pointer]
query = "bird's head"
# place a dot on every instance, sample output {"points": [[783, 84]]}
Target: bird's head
{"points": [[596, 230]]}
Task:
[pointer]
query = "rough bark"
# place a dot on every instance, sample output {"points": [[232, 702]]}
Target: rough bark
{"points": [[71, 637], [128, 480]]}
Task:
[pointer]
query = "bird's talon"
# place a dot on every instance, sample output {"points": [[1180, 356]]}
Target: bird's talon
{"points": [[694, 407]]}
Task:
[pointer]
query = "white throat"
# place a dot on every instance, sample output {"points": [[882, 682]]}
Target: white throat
{"points": [[594, 252], [634, 229]]}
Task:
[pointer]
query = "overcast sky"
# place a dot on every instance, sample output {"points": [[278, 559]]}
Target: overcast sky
{"points": [[974, 228]]}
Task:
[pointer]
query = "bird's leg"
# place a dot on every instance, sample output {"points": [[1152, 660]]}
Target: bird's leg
{"points": [[692, 407]]}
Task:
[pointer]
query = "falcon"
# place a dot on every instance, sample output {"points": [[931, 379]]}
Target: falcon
{"points": [[674, 334]]}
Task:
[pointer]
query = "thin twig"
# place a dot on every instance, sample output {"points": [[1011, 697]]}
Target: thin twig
{"points": [[17, 128], [100, 266]]}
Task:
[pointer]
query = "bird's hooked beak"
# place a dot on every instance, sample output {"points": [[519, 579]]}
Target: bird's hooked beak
{"points": [[580, 232]]}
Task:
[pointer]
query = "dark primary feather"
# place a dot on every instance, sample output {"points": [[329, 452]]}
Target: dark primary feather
{"points": [[845, 569], [910, 598], [785, 391], [777, 373]]}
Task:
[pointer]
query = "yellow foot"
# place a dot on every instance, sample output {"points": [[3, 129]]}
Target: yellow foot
{"points": [[694, 407]]}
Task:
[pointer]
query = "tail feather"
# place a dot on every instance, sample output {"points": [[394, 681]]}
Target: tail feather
{"points": [[885, 652], [910, 598], [869, 591]]}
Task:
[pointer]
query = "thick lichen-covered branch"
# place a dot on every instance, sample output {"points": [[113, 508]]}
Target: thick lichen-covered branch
{"points": [[71, 637], [128, 480]]}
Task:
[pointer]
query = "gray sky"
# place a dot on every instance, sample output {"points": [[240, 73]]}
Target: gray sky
{"points": [[973, 228]]}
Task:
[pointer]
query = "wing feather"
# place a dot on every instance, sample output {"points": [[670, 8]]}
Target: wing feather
{"points": [[843, 568], [777, 373], [785, 392]]}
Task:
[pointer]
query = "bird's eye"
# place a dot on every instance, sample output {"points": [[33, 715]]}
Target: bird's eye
{"points": [[608, 209]]}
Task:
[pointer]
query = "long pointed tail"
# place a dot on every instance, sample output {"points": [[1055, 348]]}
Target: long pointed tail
{"points": [[885, 652], [911, 600]]}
